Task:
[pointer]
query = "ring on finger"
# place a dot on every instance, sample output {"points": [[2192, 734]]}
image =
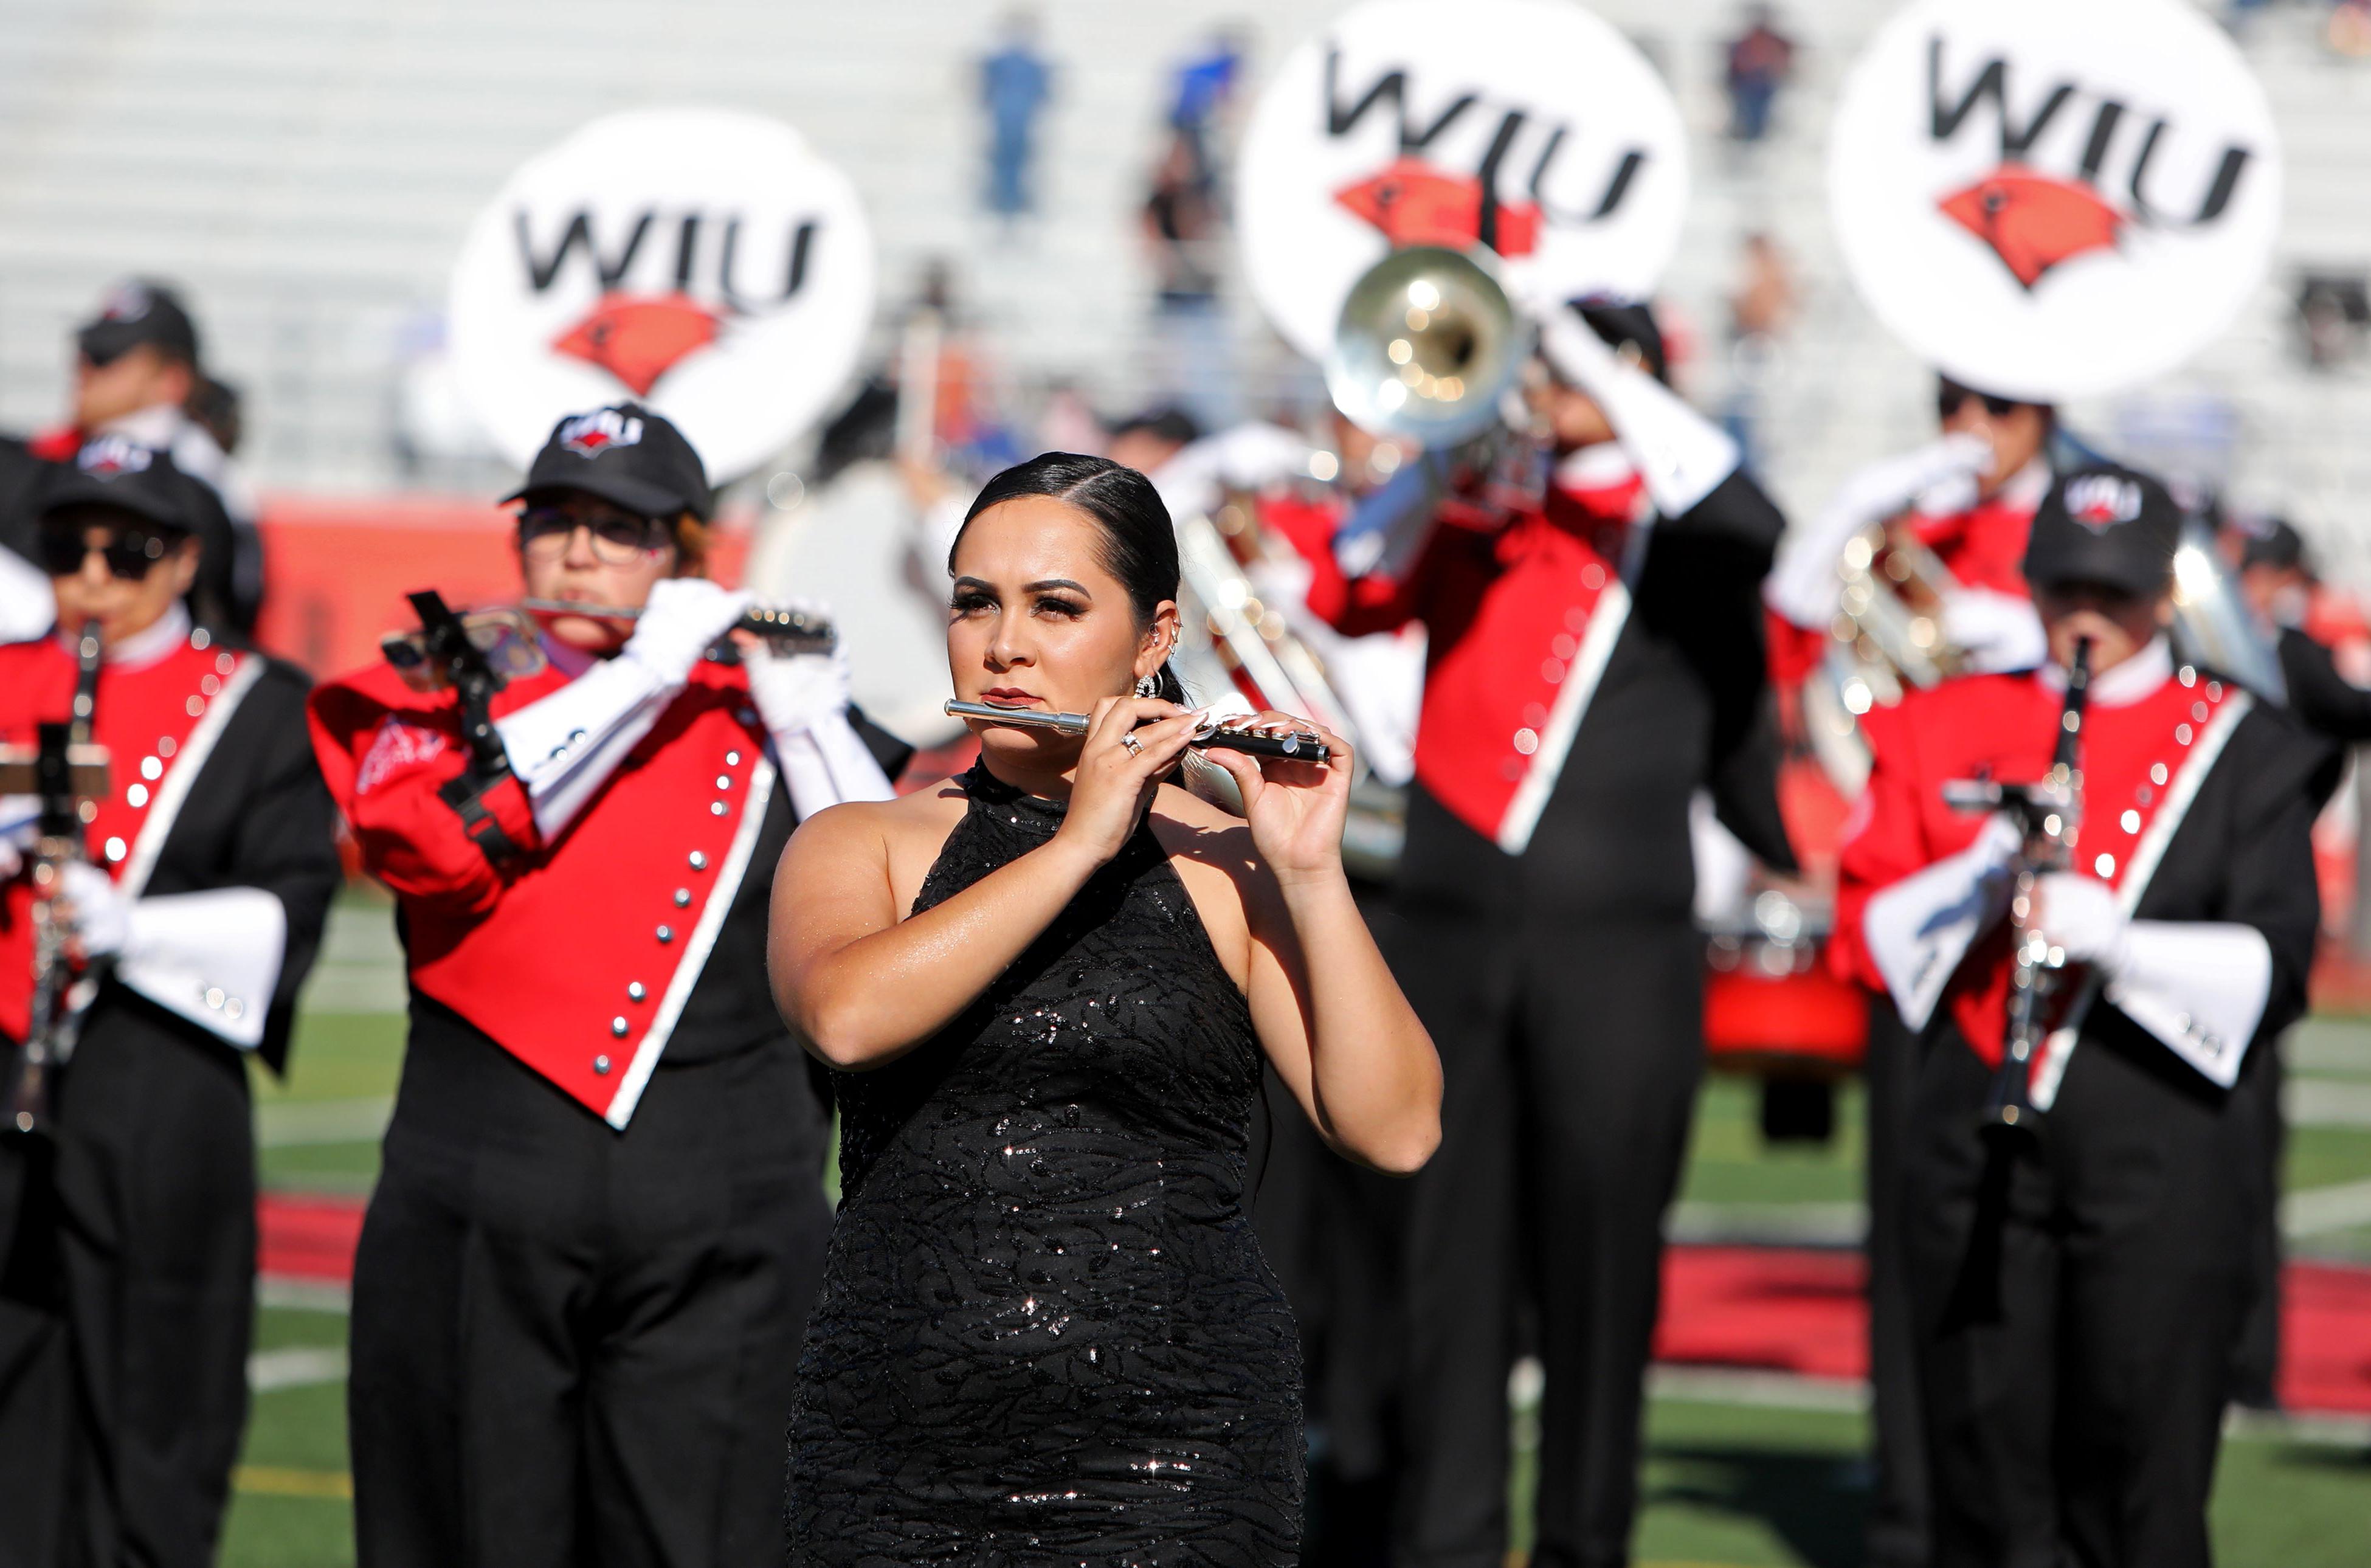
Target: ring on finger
{"points": [[1135, 747]]}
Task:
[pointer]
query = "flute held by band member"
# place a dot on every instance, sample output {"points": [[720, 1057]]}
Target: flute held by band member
{"points": [[1299, 745]]}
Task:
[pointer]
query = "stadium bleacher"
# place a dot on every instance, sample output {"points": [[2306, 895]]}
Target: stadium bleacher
{"points": [[308, 170]]}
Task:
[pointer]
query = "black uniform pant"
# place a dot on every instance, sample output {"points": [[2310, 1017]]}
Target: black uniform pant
{"points": [[574, 1346], [2077, 1305], [1571, 1052], [127, 1301], [1897, 1510]]}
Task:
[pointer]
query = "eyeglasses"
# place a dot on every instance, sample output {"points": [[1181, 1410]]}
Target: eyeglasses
{"points": [[619, 539], [129, 552], [1951, 397]]}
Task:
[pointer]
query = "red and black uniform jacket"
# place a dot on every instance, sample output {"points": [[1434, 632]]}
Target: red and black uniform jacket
{"points": [[1586, 668], [641, 929], [2197, 805], [211, 785]]}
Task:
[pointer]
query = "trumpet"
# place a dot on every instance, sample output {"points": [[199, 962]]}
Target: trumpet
{"points": [[1300, 746]]}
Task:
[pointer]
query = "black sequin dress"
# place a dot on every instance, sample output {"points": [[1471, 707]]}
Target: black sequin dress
{"points": [[1047, 1333]]}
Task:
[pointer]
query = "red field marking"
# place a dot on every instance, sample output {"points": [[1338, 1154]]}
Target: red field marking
{"points": [[1772, 1308]]}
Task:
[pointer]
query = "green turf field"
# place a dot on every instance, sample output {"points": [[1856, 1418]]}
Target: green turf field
{"points": [[1736, 1474]]}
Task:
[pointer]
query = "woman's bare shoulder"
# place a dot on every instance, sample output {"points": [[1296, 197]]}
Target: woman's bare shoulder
{"points": [[889, 829]]}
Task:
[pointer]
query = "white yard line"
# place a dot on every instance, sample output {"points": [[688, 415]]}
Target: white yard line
{"points": [[297, 1366], [275, 1293], [2317, 1210], [2326, 1102], [295, 1123], [1768, 1225]]}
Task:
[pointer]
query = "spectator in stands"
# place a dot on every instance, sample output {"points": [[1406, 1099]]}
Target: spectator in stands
{"points": [[1015, 85], [138, 373], [1759, 61], [1199, 94], [1145, 441], [1181, 225], [1760, 310]]}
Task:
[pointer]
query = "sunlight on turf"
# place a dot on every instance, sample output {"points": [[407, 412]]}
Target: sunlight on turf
{"points": [[1722, 1485], [273, 1481]]}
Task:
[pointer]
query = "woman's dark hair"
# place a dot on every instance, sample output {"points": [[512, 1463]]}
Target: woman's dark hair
{"points": [[1139, 543]]}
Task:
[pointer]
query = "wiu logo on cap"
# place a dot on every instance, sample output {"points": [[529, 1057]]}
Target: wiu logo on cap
{"points": [[125, 302], [590, 435], [2101, 500], [111, 455]]}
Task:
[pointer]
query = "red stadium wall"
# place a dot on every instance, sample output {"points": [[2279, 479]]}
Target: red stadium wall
{"points": [[339, 568]]}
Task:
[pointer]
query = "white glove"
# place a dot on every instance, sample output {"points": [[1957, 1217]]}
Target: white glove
{"points": [[1681, 455], [795, 692], [102, 915], [20, 825], [1920, 928], [1803, 586], [1998, 631], [684, 615], [2078, 914]]}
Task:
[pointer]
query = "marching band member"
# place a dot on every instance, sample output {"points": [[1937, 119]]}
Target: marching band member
{"points": [[139, 374], [128, 1292], [584, 1274], [2077, 1297], [1968, 496], [1592, 659]]}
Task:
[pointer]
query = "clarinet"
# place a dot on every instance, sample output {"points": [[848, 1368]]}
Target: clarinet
{"points": [[65, 752], [1298, 747], [2051, 812]]}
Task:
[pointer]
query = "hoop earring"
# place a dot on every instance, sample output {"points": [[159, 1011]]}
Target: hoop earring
{"points": [[1148, 685]]}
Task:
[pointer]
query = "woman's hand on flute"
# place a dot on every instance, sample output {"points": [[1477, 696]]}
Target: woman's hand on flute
{"points": [[1295, 810], [1121, 763]]}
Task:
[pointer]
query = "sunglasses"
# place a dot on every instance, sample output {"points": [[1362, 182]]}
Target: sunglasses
{"points": [[1950, 399], [129, 552], [619, 539]]}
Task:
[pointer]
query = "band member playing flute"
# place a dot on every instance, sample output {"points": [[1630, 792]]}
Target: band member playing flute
{"points": [[1047, 990], [584, 1272]]}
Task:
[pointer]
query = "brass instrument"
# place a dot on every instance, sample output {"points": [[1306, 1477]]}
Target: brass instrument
{"points": [[2052, 814], [2213, 625], [68, 773], [1427, 347], [1232, 639], [1891, 613], [512, 645]]}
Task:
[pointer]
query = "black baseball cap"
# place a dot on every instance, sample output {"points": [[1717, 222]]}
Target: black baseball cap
{"points": [[2102, 523], [1632, 325], [138, 313], [625, 454], [2274, 542], [118, 472]]}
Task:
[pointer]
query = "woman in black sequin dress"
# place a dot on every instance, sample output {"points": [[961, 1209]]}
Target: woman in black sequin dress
{"points": [[1047, 989]]}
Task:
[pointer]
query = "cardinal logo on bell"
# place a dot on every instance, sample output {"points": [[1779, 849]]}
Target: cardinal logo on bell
{"points": [[2033, 222]]}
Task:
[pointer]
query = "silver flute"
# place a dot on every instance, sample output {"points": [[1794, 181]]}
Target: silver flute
{"points": [[796, 628], [1300, 746]]}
